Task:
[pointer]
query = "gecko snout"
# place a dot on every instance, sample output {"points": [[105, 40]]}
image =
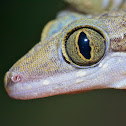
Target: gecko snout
{"points": [[11, 78]]}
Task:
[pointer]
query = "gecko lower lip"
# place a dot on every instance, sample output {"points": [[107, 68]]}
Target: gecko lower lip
{"points": [[17, 92]]}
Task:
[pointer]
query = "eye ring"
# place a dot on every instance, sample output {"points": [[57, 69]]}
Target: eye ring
{"points": [[67, 34]]}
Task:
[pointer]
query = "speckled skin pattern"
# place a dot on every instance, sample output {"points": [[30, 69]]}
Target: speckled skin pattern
{"points": [[44, 72]]}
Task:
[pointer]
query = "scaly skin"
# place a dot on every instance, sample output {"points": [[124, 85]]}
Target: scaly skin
{"points": [[43, 72]]}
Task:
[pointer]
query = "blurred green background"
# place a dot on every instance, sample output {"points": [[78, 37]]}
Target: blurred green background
{"points": [[21, 24]]}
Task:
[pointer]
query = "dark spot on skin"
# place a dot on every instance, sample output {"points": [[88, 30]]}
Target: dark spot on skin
{"points": [[45, 65], [105, 15]]}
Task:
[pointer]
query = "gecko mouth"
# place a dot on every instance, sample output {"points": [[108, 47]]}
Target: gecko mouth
{"points": [[20, 89], [38, 88], [49, 87]]}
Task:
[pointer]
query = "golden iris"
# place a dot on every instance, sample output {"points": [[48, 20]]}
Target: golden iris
{"points": [[84, 47]]}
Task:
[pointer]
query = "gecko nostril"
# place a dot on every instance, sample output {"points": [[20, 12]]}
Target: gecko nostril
{"points": [[16, 78], [11, 78]]}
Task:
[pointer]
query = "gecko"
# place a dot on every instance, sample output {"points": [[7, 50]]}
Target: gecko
{"points": [[83, 49]]}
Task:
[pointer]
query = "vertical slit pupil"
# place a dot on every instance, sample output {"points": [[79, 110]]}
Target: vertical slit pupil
{"points": [[84, 47]]}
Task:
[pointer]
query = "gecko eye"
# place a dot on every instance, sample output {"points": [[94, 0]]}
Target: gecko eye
{"points": [[84, 47]]}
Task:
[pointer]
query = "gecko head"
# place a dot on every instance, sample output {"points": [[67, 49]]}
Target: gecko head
{"points": [[60, 64]]}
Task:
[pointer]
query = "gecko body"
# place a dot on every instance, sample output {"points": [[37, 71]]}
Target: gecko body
{"points": [[56, 66]]}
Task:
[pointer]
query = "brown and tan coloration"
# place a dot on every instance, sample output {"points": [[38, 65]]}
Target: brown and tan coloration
{"points": [[43, 71]]}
